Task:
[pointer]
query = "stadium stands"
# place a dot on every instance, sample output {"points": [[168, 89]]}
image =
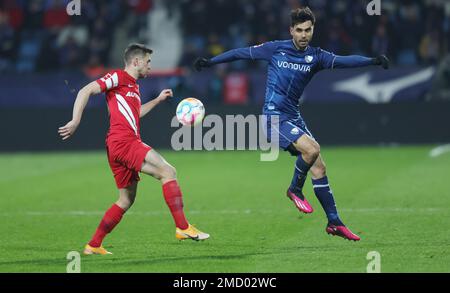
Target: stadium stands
{"points": [[343, 27]]}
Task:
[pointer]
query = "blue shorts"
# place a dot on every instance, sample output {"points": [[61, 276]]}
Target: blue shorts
{"points": [[286, 130]]}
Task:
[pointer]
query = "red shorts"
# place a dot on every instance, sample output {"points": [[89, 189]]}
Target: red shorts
{"points": [[125, 159]]}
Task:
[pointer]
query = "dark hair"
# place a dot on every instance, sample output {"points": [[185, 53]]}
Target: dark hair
{"points": [[301, 15], [134, 50]]}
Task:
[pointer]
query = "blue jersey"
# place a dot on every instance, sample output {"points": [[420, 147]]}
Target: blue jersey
{"points": [[289, 71]]}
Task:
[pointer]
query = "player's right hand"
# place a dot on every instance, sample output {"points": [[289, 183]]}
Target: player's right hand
{"points": [[165, 94], [200, 63], [68, 130]]}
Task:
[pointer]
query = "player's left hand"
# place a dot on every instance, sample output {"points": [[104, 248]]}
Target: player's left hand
{"points": [[68, 130], [200, 63], [165, 94], [383, 61]]}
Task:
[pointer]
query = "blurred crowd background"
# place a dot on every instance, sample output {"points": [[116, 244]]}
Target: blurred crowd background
{"points": [[38, 35], [46, 56], [411, 32]]}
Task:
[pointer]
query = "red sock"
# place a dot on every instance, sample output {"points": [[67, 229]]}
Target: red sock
{"points": [[173, 197], [111, 218]]}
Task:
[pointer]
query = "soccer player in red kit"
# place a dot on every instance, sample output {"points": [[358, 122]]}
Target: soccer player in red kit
{"points": [[127, 154]]}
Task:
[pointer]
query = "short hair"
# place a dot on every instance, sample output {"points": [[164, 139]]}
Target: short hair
{"points": [[134, 50], [301, 15]]}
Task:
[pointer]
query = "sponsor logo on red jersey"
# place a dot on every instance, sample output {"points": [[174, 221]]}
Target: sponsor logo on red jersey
{"points": [[124, 104]]}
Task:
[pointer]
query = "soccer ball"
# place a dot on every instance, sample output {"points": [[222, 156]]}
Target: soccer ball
{"points": [[190, 111]]}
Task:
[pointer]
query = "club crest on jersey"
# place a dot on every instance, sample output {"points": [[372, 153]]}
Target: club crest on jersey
{"points": [[309, 59], [295, 131], [134, 95]]}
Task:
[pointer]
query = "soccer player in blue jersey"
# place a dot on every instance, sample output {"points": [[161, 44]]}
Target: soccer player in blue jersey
{"points": [[292, 64]]}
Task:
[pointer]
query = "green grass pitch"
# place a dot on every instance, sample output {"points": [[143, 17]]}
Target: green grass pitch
{"points": [[396, 198]]}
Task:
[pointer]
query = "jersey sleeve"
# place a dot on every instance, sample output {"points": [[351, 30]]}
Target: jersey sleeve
{"points": [[326, 59], [352, 61], [109, 81], [263, 51], [330, 61], [259, 52]]}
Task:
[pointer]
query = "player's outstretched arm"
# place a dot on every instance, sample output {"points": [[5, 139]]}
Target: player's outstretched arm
{"points": [[359, 61], [259, 52], [81, 101], [147, 107], [229, 56]]}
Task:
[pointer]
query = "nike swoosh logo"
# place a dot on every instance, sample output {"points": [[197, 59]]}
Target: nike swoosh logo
{"points": [[188, 236], [381, 92]]}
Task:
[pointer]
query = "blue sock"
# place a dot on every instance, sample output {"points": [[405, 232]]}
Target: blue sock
{"points": [[300, 174], [326, 199]]}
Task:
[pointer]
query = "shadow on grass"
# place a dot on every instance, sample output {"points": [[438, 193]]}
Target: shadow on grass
{"points": [[115, 260], [202, 258], [123, 259], [44, 261], [112, 260]]}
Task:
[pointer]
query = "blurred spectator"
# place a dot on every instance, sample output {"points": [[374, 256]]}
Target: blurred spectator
{"points": [[440, 89], [140, 10], [94, 68], [6, 42], [79, 33], [380, 41], [214, 47], [189, 55], [430, 47], [70, 55], [56, 16], [216, 85], [15, 14], [98, 47], [34, 14]]}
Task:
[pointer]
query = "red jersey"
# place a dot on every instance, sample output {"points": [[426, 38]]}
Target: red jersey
{"points": [[124, 104]]}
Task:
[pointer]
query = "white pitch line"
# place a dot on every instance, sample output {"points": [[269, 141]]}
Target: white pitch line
{"points": [[99, 213], [224, 212], [440, 150]]}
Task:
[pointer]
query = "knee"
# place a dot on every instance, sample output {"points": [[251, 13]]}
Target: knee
{"points": [[318, 171], [168, 173], [125, 203], [312, 152]]}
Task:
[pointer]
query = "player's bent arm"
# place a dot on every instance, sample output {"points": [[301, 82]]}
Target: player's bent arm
{"points": [[81, 101], [147, 107]]}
